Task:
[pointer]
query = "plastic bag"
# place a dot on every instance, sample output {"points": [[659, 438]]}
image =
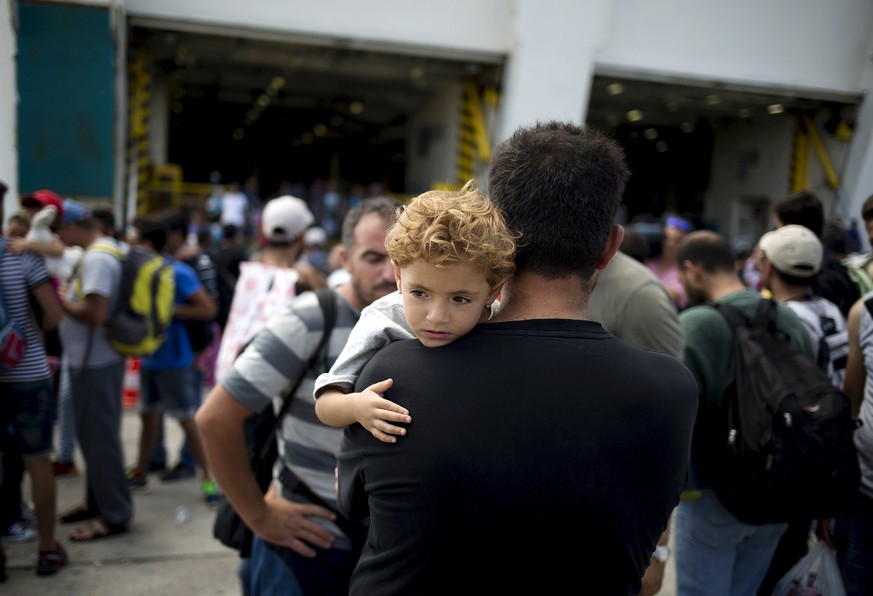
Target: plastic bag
{"points": [[816, 574]]}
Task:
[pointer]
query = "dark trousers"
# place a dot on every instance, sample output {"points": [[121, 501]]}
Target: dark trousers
{"points": [[854, 539], [10, 486], [793, 545]]}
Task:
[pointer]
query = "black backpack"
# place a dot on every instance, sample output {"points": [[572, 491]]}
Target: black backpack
{"points": [[781, 441], [200, 333]]}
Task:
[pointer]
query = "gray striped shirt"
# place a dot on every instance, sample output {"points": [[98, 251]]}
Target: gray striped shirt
{"points": [[277, 356]]}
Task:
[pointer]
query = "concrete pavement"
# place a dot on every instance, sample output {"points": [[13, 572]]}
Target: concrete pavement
{"points": [[158, 556]]}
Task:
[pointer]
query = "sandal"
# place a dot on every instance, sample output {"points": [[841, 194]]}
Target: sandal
{"points": [[96, 530], [77, 514]]}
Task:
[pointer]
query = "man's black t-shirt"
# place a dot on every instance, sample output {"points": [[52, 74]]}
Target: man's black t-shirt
{"points": [[541, 454]]}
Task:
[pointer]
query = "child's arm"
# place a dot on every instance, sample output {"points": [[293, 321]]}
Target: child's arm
{"points": [[369, 408], [55, 248], [380, 323]]}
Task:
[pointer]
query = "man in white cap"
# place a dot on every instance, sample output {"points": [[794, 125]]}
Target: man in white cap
{"points": [[284, 224], [789, 259], [272, 276]]}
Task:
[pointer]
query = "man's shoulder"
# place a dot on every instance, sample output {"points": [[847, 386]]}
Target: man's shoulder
{"points": [[701, 313], [628, 271], [104, 253], [307, 307]]}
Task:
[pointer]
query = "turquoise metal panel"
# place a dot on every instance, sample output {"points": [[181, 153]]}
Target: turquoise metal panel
{"points": [[66, 85]]}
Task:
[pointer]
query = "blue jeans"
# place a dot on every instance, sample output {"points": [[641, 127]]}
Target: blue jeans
{"points": [[268, 574], [280, 570], [854, 540], [718, 555], [244, 572], [174, 391]]}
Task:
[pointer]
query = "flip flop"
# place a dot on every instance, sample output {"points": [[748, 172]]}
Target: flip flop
{"points": [[77, 514], [96, 530]]}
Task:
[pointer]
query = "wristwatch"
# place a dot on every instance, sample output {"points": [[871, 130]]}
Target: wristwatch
{"points": [[662, 553]]}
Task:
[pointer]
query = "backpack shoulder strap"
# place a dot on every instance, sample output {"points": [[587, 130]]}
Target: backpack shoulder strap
{"points": [[327, 301], [766, 313], [107, 248], [734, 316], [77, 268]]}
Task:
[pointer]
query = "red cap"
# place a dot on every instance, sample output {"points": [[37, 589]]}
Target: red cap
{"points": [[45, 197]]}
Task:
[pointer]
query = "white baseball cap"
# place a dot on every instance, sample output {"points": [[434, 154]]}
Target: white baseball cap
{"points": [[793, 250], [285, 218]]}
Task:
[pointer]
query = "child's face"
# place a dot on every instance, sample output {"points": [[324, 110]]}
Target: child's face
{"points": [[443, 303]]}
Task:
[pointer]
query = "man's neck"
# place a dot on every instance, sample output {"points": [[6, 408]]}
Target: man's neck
{"points": [[531, 296], [722, 284], [92, 238], [783, 292], [279, 256]]}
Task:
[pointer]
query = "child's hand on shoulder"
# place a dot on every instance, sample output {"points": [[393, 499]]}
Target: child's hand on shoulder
{"points": [[378, 415], [16, 245]]}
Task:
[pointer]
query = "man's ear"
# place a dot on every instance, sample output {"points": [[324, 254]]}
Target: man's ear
{"points": [[693, 271], [343, 256], [613, 242]]}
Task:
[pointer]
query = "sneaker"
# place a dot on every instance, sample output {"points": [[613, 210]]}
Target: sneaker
{"points": [[18, 533], [178, 472], [50, 561], [136, 479], [65, 468], [210, 492]]}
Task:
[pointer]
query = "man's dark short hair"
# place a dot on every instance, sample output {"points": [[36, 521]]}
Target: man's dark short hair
{"points": [[152, 229], [384, 207], [105, 219], [176, 222], [559, 185], [802, 208], [708, 250]]}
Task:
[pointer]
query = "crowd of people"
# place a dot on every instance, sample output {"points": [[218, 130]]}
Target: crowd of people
{"points": [[504, 369]]}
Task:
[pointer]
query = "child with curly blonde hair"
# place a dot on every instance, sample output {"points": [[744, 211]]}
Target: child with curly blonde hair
{"points": [[452, 252]]}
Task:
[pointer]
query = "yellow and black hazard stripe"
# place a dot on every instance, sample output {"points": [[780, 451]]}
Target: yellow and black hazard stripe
{"points": [[139, 105], [805, 134], [473, 143]]}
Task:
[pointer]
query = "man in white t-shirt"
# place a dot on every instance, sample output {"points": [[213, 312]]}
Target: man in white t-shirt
{"points": [[234, 207], [94, 371]]}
